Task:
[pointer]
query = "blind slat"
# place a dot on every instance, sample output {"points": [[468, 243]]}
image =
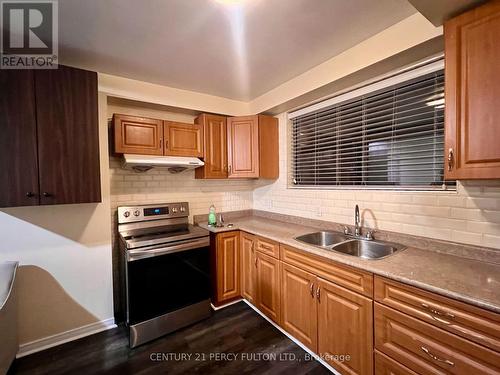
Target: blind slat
{"points": [[393, 137]]}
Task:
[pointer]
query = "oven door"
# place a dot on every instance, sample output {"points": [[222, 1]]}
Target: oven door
{"points": [[165, 279]]}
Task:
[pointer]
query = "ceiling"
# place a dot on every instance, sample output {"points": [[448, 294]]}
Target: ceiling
{"points": [[235, 51]]}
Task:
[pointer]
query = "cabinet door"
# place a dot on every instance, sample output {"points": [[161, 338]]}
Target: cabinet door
{"points": [[183, 139], [215, 147], [473, 94], [298, 305], [18, 158], [68, 135], [387, 366], [268, 286], [248, 267], [138, 135], [228, 266], [345, 327], [243, 147]]}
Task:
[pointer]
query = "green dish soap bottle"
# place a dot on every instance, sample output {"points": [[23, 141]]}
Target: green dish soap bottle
{"points": [[212, 219]]}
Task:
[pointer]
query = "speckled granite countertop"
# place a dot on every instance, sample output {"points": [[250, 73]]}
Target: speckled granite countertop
{"points": [[471, 281]]}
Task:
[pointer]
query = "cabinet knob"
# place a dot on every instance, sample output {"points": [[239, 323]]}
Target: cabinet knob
{"points": [[47, 195], [30, 194], [450, 159], [229, 169], [318, 294]]}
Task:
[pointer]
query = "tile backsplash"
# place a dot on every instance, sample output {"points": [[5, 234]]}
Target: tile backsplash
{"points": [[470, 215]]}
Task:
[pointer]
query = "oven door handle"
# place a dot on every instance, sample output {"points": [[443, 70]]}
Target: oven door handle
{"points": [[189, 245]]}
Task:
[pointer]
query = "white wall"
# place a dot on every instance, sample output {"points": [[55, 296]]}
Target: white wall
{"points": [[65, 277], [471, 215]]}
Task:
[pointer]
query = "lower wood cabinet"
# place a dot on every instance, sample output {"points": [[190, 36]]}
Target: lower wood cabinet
{"points": [[329, 308], [227, 267], [268, 286], [248, 267], [426, 349], [299, 310], [387, 366], [345, 328]]}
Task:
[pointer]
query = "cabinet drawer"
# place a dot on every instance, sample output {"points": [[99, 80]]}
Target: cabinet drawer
{"points": [[356, 280], [475, 324], [426, 349], [268, 247], [387, 366]]}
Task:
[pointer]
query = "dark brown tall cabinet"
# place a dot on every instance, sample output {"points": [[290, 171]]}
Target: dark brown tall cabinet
{"points": [[49, 142]]}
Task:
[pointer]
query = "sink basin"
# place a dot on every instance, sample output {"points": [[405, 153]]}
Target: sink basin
{"points": [[367, 249], [350, 246], [323, 239]]}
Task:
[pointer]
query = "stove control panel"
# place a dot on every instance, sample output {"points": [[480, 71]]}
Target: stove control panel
{"points": [[127, 214]]}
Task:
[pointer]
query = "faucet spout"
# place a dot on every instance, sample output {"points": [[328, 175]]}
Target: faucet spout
{"points": [[357, 222]]}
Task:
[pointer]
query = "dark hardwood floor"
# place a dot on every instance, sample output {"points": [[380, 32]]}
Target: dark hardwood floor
{"points": [[237, 331]]}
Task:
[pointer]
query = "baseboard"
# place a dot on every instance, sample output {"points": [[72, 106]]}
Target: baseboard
{"points": [[215, 308], [314, 355], [63, 337]]}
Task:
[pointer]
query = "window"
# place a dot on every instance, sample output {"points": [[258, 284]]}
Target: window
{"points": [[389, 138]]}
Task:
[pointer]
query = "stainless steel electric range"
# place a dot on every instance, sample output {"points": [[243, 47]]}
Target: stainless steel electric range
{"points": [[165, 264]]}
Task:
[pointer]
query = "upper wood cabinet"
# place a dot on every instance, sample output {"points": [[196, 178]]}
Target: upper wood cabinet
{"points": [[138, 135], [183, 139], [243, 147], [215, 147], [18, 144], [252, 144], [148, 136], [50, 137], [472, 93], [227, 264]]}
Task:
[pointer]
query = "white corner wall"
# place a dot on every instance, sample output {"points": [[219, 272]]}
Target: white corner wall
{"points": [[64, 280]]}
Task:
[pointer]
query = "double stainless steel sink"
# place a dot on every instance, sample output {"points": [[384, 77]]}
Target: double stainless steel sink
{"points": [[346, 244]]}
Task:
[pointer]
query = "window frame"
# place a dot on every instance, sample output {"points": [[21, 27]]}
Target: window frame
{"points": [[378, 83]]}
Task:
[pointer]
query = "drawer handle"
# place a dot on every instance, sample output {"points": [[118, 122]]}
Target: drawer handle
{"points": [[436, 358], [255, 261], [267, 247], [438, 313], [311, 289]]}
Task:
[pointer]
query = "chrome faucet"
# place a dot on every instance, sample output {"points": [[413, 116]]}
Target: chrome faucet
{"points": [[357, 222]]}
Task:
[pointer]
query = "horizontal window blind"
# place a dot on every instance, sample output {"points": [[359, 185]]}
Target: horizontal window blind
{"points": [[393, 137]]}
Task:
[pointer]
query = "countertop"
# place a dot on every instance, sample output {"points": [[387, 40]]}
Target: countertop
{"points": [[467, 280]]}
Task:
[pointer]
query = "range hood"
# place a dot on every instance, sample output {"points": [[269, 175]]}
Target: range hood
{"points": [[175, 164]]}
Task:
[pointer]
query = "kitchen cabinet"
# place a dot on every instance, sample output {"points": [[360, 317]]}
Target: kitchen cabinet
{"points": [[387, 366], [214, 147], [243, 147], [345, 327], [268, 286], [148, 136], [138, 135], [182, 139], [472, 92], [18, 169], [68, 136], [426, 349], [57, 131], [227, 267], [248, 268], [252, 147], [299, 310]]}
